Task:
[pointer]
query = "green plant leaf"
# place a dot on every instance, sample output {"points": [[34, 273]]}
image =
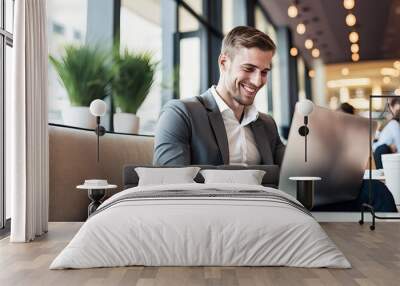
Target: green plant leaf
{"points": [[85, 72], [132, 80]]}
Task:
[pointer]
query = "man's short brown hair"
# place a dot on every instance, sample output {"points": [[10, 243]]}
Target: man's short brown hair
{"points": [[247, 37]]}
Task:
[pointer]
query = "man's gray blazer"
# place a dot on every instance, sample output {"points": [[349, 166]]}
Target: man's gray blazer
{"points": [[192, 132]]}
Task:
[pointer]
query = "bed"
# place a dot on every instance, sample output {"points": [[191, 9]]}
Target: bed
{"points": [[201, 224]]}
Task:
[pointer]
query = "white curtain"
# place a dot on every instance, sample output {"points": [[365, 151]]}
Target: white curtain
{"points": [[26, 123]]}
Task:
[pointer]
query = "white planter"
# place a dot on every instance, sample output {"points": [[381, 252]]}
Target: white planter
{"points": [[126, 123], [391, 168], [78, 116]]}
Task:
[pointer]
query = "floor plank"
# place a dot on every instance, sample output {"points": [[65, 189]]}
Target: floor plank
{"points": [[374, 255]]}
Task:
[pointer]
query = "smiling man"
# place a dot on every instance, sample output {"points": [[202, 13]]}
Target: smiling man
{"points": [[222, 126]]}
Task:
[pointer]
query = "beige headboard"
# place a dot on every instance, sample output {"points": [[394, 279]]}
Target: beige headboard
{"points": [[73, 158]]}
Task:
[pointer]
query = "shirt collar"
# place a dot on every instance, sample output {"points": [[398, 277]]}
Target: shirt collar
{"points": [[250, 112], [222, 106]]}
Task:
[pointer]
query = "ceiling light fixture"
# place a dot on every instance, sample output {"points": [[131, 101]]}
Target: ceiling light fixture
{"points": [[315, 53], [355, 48], [309, 44], [348, 82], [345, 71], [396, 65], [301, 28], [311, 73], [386, 80], [294, 52], [353, 37], [292, 11], [355, 57], [351, 20], [348, 4], [390, 72]]}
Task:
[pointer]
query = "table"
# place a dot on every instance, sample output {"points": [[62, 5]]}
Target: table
{"points": [[305, 190], [95, 194]]}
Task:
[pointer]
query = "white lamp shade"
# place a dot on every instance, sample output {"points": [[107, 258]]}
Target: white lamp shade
{"points": [[305, 107], [98, 107]]}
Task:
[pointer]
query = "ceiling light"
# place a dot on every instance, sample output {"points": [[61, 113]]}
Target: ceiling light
{"points": [[292, 11], [345, 71], [397, 91], [315, 53], [351, 20], [309, 44], [396, 65], [386, 80], [348, 4], [355, 57], [390, 72], [353, 37], [359, 103], [311, 73], [301, 28], [348, 82], [355, 48], [294, 52]]}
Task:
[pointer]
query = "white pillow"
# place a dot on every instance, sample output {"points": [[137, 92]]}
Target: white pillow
{"points": [[248, 177], [166, 176]]}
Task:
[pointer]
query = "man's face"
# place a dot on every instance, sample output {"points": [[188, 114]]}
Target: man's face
{"points": [[396, 110], [245, 73]]}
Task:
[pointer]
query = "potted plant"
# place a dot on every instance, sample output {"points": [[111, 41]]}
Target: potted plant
{"points": [[132, 80], [84, 73]]}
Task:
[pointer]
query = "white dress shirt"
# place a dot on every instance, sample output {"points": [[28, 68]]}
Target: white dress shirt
{"points": [[389, 135], [242, 145]]}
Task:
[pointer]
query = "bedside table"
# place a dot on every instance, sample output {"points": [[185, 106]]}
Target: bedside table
{"points": [[95, 194], [305, 190]]}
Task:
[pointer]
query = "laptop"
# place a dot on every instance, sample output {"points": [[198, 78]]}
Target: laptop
{"points": [[337, 147]]}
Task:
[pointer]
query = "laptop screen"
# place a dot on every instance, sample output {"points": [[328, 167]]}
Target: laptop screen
{"points": [[337, 147]]}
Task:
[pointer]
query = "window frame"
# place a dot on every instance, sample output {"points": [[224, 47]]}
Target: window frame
{"points": [[210, 35], [6, 39]]}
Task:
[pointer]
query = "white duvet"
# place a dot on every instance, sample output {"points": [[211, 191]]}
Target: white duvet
{"points": [[200, 231]]}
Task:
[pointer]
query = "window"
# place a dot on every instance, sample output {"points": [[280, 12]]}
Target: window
{"points": [[301, 78], [270, 93], [183, 36], [199, 39], [67, 25], [141, 31], [9, 15], [189, 54], [228, 14], [6, 44]]}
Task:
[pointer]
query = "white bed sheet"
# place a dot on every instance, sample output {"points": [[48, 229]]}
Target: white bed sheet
{"points": [[202, 232]]}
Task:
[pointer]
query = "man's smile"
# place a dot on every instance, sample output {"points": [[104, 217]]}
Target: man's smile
{"points": [[250, 90]]}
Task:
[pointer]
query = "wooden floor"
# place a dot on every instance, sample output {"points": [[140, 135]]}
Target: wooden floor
{"points": [[375, 257]]}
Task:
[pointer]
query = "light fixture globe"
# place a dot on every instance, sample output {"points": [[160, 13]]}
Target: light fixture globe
{"points": [[354, 37], [301, 28], [98, 107], [348, 4], [292, 11], [309, 44], [351, 20], [305, 107]]}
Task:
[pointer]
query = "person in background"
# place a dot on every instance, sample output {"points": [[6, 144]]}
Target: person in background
{"points": [[346, 108], [389, 138]]}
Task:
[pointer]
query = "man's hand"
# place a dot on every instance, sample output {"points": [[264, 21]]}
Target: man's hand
{"points": [[393, 148]]}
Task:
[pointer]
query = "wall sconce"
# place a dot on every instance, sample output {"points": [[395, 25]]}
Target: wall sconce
{"points": [[305, 107], [98, 108]]}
